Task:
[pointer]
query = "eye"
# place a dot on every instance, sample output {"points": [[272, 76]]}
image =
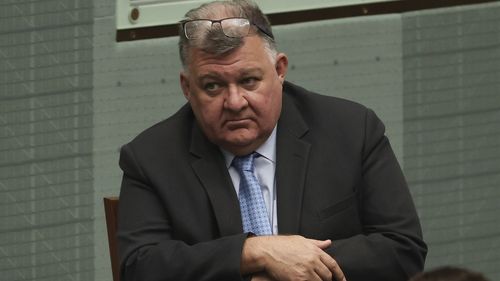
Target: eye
{"points": [[249, 82], [211, 87]]}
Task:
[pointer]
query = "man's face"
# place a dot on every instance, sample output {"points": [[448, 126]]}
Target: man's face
{"points": [[236, 97]]}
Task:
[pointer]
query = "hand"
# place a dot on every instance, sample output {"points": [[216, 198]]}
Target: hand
{"points": [[290, 258]]}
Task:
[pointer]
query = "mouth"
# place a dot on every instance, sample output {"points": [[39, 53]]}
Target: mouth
{"points": [[237, 123]]}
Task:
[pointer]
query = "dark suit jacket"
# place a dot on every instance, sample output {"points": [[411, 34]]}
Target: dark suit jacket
{"points": [[337, 178]]}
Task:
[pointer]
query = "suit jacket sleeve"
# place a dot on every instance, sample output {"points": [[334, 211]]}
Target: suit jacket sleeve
{"points": [[147, 245], [390, 246]]}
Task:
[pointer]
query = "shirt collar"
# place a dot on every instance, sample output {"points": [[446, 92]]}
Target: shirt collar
{"points": [[267, 150]]}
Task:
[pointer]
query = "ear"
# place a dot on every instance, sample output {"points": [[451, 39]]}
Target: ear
{"points": [[184, 81], [281, 66]]}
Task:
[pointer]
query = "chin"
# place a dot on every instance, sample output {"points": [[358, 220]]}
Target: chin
{"points": [[240, 141]]}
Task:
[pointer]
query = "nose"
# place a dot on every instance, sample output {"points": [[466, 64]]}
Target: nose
{"points": [[235, 99]]}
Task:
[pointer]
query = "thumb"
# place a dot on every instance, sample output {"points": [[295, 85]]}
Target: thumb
{"points": [[322, 244]]}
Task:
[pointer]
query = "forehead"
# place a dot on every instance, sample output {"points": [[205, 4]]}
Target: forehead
{"points": [[252, 53]]}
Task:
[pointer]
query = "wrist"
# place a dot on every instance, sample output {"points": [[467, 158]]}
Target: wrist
{"points": [[252, 257]]}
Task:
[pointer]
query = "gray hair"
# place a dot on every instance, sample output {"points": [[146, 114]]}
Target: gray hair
{"points": [[216, 42]]}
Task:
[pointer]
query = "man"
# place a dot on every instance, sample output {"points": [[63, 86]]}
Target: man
{"points": [[331, 201]]}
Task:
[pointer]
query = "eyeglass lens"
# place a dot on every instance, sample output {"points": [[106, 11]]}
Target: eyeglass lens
{"points": [[235, 27], [232, 27], [193, 29]]}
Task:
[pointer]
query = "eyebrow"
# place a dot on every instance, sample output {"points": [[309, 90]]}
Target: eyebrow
{"points": [[243, 72], [251, 71], [209, 76]]}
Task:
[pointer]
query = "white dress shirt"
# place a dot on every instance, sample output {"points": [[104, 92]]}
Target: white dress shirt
{"points": [[265, 168]]}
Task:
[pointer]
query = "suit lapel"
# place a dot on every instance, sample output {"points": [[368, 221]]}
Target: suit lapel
{"points": [[209, 166], [292, 158], [292, 154]]}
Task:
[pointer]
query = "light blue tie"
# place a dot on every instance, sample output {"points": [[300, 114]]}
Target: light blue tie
{"points": [[252, 205]]}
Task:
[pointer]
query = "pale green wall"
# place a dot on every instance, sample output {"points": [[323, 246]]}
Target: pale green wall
{"points": [[70, 96], [452, 132], [46, 135]]}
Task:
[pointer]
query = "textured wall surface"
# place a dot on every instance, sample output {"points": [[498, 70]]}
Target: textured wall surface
{"points": [[135, 86], [70, 96], [46, 190], [452, 132]]}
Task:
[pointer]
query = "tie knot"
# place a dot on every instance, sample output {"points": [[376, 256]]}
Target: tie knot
{"points": [[244, 163]]}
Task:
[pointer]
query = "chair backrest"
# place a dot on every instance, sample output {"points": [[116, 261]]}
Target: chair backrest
{"points": [[111, 212]]}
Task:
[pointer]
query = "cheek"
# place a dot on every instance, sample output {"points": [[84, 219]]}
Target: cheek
{"points": [[272, 101], [208, 112]]}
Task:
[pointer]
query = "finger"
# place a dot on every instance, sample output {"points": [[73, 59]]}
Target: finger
{"points": [[316, 277], [323, 272], [322, 244], [312, 278], [333, 266]]}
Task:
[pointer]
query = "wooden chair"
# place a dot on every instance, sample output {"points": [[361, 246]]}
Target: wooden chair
{"points": [[111, 212]]}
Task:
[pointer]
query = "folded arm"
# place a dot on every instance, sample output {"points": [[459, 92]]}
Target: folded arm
{"points": [[390, 246]]}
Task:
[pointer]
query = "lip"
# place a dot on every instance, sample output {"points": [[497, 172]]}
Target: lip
{"points": [[237, 123]]}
